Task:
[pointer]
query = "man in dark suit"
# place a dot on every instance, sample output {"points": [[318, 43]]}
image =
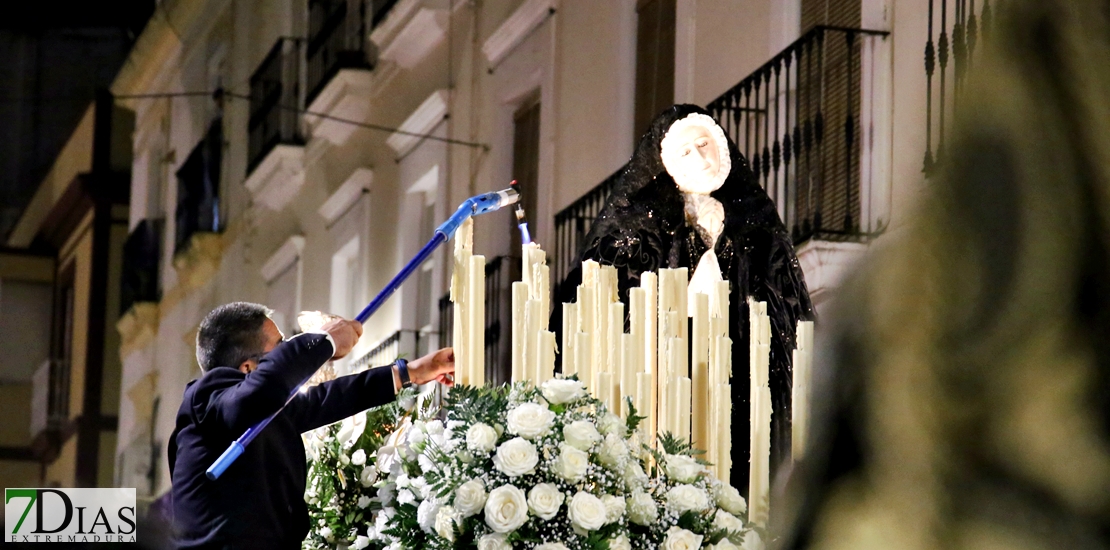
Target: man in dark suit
{"points": [[250, 370]]}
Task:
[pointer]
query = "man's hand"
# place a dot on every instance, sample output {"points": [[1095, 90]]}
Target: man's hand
{"points": [[438, 366], [345, 333]]}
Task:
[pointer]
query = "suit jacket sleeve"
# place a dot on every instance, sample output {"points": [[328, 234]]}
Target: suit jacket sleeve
{"points": [[345, 396], [265, 390]]}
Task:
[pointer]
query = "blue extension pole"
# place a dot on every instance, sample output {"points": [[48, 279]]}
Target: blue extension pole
{"points": [[473, 206]]}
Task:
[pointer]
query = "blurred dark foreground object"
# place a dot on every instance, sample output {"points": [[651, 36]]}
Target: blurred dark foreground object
{"points": [[964, 396]]}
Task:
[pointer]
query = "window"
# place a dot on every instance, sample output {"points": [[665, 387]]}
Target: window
{"points": [[346, 280], [526, 161], [655, 35]]}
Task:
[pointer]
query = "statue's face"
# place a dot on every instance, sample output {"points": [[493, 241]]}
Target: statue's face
{"points": [[694, 160]]}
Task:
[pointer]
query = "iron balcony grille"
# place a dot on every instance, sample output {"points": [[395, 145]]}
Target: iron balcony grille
{"points": [[275, 102], [198, 189], [337, 40], [967, 30], [403, 343], [141, 257]]}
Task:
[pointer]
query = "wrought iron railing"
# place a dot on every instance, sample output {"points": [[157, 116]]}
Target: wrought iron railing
{"points": [[497, 312], [967, 28], [797, 120], [337, 39], [275, 99], [573, 223], [403, 343], [141, 258], [198, 189]]}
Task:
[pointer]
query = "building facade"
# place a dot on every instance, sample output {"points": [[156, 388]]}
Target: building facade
{"points": [[298, 152]]}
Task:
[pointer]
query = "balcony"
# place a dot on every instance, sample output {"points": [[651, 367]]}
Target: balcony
{"points": [[275, 148], [498, 289], [409, 30], [141, 257], [198, 189], [339, 60], [403, 343], [798, 120]]}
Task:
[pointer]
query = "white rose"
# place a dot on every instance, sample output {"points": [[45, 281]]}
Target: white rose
{"points": [[642, 509], [481, 438], [494, 541], [752, 541], [470, 497], [435, 427], [506, 509], [326, 533], [551, 546], [586, 512], [620, 543], [368, 476], [516, 457], [613, 451], [614, 508], [610, 423], [683, 469], [571, 464], [728, 522], [358, 458], [681, 539], [363, 501], [362, 541], [530, 420], [683, 498], [426, 515], [634, 475], [544, 500], [557, 391], [581, 434], [445, 523], [729, 499]]}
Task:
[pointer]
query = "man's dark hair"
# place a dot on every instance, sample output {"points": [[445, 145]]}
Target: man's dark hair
{"points": [[231, 334]]}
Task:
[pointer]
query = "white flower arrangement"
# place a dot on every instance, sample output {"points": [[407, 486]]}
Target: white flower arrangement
{"points": [[545, 468]]}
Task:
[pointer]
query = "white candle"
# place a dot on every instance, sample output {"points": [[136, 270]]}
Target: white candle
{"points": [[614, 311], [543, 290], [724, 431], [520, 297], [570, 329], [604, 390], [676, 356], [699, 372], [532, 352], [684, 407], [464, 245], [547, 356], [760, 446], [583, 350], [643, 401], [476, 313], [627, 370], [649, 282], [530, 255]]}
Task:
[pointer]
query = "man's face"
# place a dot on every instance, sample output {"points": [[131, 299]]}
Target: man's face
{"points": [[273, 337]]}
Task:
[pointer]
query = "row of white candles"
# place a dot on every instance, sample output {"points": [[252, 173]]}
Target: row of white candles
{"points": [[656, 364]]}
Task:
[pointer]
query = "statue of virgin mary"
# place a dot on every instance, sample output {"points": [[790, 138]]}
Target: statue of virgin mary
{"points": [[687, 198]]}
